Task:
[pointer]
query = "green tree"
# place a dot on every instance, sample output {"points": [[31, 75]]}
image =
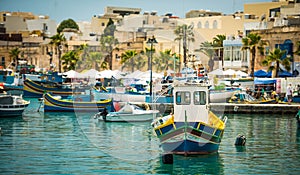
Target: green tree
{"points": [[69, 23], [275, 59], [163, 61], [69, 60], [58, 41], [127, 59], [208, 49], [148, 53], [184, 33], [252, 42], [14, 55], [110, 28], [96, 58], [108, 42], [297, 52], [218, 43]]}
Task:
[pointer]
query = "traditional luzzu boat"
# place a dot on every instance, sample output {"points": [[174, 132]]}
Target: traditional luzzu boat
{"points": [[76, 104], [244, 98], [36, 90], [193, 128], [12, 105]]}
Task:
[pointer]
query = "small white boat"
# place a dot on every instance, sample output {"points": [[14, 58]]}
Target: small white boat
{"points": [[12, 105], [128, 113]]}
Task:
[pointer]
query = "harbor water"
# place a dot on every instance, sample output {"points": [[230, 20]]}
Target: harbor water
{"points": [[76, 143]]}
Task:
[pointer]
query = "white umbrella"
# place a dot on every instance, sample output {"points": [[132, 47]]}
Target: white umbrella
{"points": [[146, 75], [241, 73], [73, 74], [92, 73], [134, 74], [230, 72], [216, 72]]}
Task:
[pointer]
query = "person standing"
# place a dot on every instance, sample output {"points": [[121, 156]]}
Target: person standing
{"points": [[289, 92]]}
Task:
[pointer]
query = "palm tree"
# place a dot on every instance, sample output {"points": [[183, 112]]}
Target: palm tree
{"points": [[140, 61], [163, 61], [96, 58], [184, 32], [127, 59], [276, 57], [69, 60], [107, 45], [178, 32], [14, 54], [148, 54], [207, 48], [218, 42], [251, 42], [58, 41], [298, 48]]}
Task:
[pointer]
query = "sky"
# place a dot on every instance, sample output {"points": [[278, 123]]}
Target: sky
{"points": [[84, 10]]}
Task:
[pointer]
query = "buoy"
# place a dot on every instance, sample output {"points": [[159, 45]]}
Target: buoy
{"points": [[240, 140], [167, 158]]}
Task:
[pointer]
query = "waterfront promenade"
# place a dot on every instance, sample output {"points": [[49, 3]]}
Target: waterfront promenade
{"points": [[255, 108]]}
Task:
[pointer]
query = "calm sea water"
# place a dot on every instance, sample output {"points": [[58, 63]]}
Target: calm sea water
{"points": [[66, 143]]}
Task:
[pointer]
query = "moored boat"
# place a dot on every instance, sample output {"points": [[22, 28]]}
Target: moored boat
{"points": [[192, 129], [244, 98], [11, 105], [128, 113], [56, 104], [36, 90]]}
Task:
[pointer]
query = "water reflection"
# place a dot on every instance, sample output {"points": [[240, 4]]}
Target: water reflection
{"points": [[124, 141], [200, 164], [71, 143]]}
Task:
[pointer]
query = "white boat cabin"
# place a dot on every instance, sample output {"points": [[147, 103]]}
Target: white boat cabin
{"points": [[191, 101]]}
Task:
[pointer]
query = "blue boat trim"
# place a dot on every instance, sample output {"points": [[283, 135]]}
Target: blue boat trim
{"points": [[52, 104]]}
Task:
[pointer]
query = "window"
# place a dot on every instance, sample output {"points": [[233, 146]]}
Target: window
{"points": [[206, 25], [227, 53], [199, 98], [215, 24], [236, 52], [183, 98], [199, 25]]}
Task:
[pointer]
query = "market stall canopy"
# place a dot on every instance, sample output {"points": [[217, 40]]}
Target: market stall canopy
{"points": [[284, 74], [264, 81], [261, 73]]}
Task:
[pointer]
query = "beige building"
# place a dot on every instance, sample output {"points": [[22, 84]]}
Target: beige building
{"points": [[281, 28], [208, 27]]}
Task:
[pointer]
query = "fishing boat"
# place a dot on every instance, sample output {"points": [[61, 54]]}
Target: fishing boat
{"points": [[12, 105], [36, 90], [244, 98], [75, 104], [192, 128], [128, 113]]}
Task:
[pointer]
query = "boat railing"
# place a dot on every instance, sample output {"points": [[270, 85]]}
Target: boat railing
{"points": [[215, 121]]}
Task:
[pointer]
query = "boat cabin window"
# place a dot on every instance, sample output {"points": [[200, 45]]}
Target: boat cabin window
{"points": [[199, 97], [183, 98]]}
